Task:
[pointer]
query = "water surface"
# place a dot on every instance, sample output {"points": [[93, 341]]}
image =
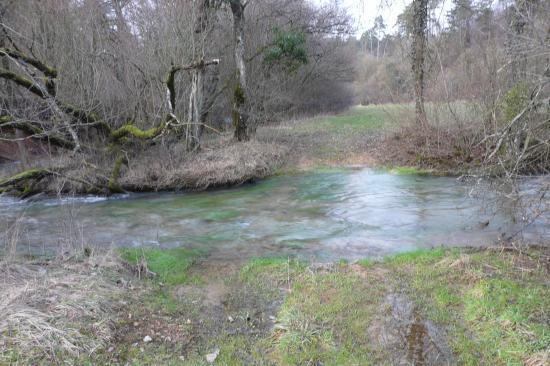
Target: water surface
{"points": [[329, 215]]}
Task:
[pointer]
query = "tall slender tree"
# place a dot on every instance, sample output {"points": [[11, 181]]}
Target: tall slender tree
{"points": [[240, 97], [418, 55]]}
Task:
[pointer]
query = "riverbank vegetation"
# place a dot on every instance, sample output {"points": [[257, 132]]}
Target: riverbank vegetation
{"points": [[96, 93], [439, 306], [97, 90]]}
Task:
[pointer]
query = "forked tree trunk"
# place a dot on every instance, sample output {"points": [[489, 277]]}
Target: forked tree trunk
{"points": [[418, 56], [240, 98]]}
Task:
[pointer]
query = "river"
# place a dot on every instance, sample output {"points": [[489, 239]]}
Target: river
{"points": [[324, 216]]}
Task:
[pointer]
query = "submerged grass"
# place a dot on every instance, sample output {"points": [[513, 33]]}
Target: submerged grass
{"points": [[409, 170]]}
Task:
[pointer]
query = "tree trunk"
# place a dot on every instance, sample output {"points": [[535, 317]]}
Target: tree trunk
{"points": [[19, 135], [418, 55], [516, 45], [195, 109], [240, 98]]}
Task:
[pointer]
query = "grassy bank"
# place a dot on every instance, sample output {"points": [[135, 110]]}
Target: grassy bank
{"points": [[441, 306], [381, 136]]}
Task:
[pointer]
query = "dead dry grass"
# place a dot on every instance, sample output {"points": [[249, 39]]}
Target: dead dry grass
{"points": [[57, 310], [160, 167], [223, 163]]}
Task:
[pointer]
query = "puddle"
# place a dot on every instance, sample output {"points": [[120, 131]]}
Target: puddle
{"points": [[406, 337]]}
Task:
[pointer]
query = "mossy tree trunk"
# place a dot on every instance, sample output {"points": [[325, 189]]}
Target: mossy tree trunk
{"points": [[418, 56], [47, 91], [19, 135], [240, 100]]}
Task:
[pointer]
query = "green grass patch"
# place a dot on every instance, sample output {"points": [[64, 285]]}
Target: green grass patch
{"points": [[275, 269], [356, 119], [170, 265], [366, 263], [419, 256], [507, 317], [494, 311], [325, 318]]}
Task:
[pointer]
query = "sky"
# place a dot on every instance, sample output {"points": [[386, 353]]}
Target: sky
{"points": [[365, 11]]}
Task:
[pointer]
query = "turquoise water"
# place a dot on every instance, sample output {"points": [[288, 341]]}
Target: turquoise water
{"points": [[329, 215]]}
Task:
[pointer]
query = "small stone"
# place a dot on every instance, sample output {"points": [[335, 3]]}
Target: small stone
{"points": [[272, 318], [147, 339], [136, 324], [188, 321], [111, 349], [230, 319], [211, 357], [182, 358]]}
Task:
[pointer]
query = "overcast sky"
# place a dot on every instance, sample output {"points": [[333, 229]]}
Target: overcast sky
{"points": [[365, 11]]}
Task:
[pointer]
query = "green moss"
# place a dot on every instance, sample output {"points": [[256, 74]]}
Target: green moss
{"points": [[238, 96], [113, 185], [515, 100], [5, 119], [170, 265], [30, 174], [133, 131]]}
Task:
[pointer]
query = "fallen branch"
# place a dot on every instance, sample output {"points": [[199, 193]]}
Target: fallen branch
{"points": [[133, 131], [36, 132]]}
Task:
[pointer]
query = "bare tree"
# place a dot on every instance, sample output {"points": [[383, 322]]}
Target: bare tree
{"points": [[240, 98]]}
